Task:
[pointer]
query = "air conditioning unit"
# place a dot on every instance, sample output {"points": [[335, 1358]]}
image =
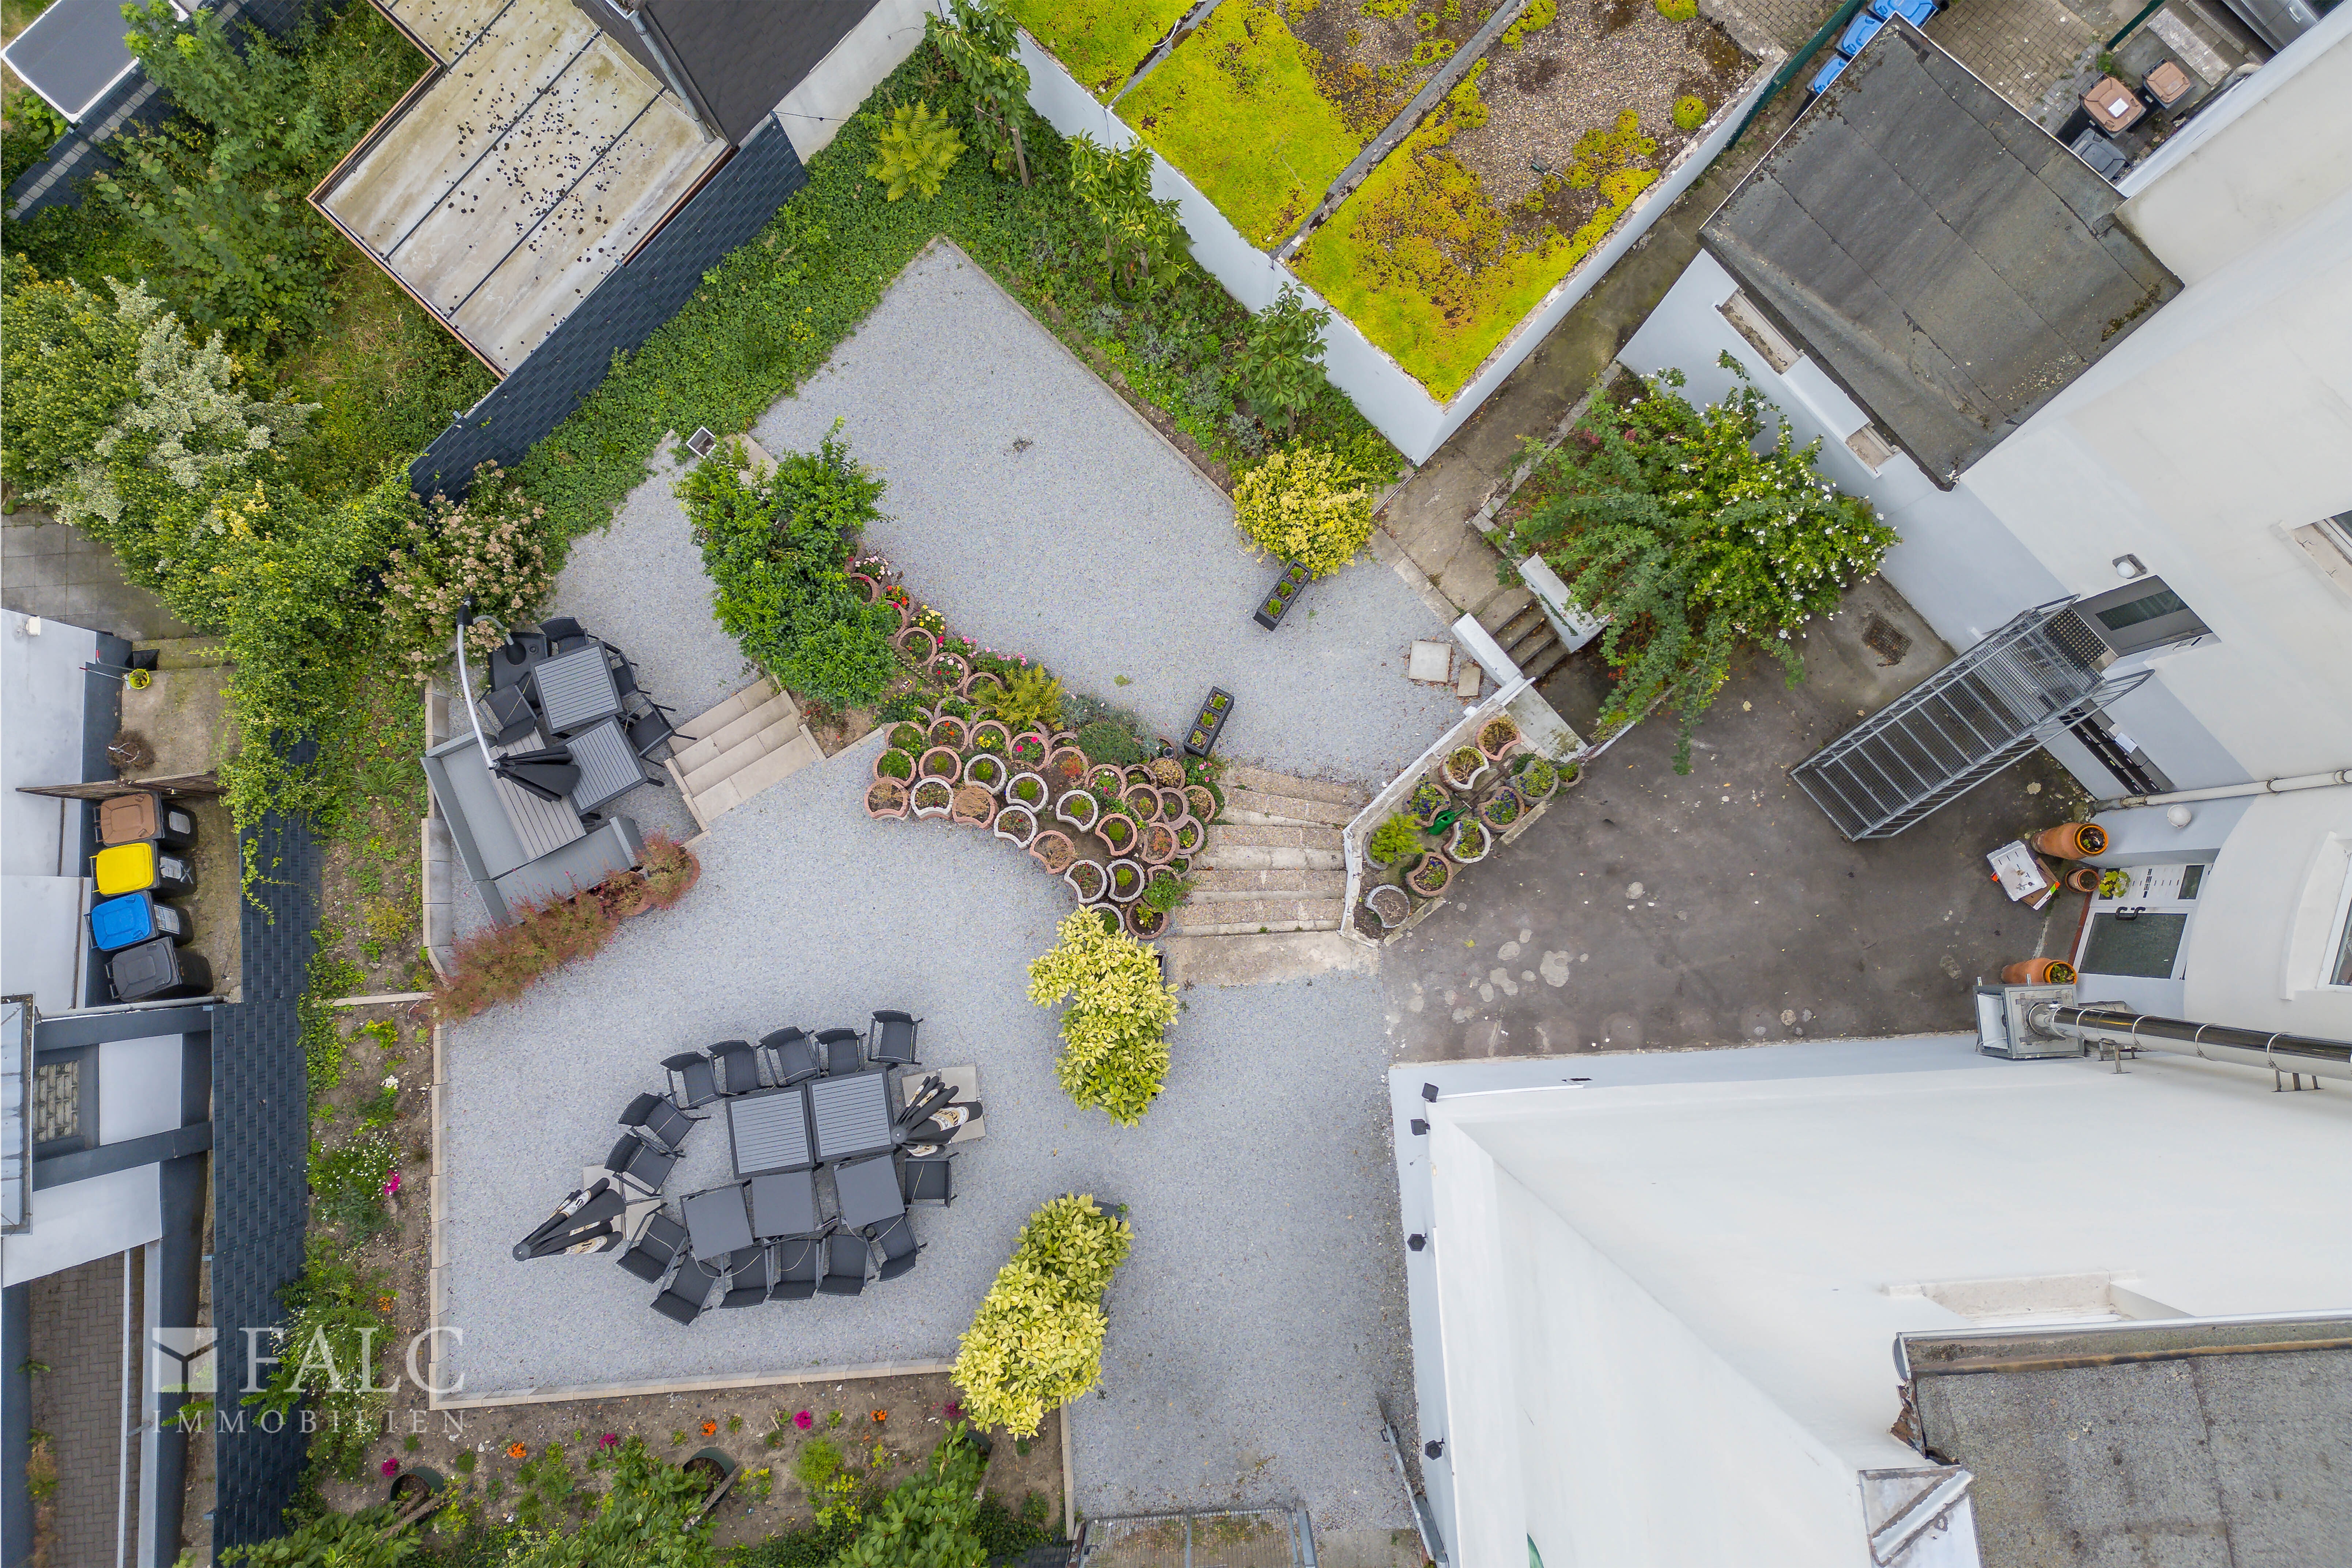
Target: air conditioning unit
{"points": [[2001, 1029]]}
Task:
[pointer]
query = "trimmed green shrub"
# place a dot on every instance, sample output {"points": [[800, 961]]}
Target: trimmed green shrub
{"points": [[915, 151], [1690, 111], [1107, 741], [1393, 840], [1114, 1031], [1304, 504], [1036, 1341]]}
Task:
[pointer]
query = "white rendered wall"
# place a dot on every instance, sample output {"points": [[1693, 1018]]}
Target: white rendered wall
{"points": [[813, 112], [138, 1087], [40, 738], [2265, 916], [94, 1217], [1769, 1218]]}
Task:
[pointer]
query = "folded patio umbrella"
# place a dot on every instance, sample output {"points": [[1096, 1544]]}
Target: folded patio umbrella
{"points": [[586, 1221], [549, 775]]}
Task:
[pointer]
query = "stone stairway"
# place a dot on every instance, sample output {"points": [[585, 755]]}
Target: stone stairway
{"points": [[1275, 864], [1519, 623], [728, 756]]}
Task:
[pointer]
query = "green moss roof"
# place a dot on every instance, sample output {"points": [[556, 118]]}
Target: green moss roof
{"points": [[1100, 42]]}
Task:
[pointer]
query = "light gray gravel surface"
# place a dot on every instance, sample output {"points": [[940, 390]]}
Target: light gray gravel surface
{"points": [[1262, 1313], [1042, 516]]}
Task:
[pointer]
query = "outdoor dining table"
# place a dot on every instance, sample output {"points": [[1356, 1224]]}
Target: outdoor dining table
{"points": [[769, 1131], [576, 690], [607, 763], [783, 1202], [868, 1190], [717, 1222], [851, 1114]]}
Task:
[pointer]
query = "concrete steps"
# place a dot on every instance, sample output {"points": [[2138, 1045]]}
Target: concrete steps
{"points": [[1218, 884], [752, 739], [1519, 623], [1274, 866], [1258, 809], [1251, 916]]}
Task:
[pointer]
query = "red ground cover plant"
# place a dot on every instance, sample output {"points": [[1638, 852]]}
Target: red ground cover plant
{"points": [[501, 963]]}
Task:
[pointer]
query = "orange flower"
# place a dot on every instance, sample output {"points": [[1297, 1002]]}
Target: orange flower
{"points": [[516, 1450], [709, 1428], [881, 1415]]}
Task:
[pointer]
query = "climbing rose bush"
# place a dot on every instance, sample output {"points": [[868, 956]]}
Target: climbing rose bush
{"points": [[1114, 1033], [1036, 1341]]}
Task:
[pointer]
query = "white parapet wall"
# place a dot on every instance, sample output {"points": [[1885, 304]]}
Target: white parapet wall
{"points": [[813, 112], [1387, 395]]}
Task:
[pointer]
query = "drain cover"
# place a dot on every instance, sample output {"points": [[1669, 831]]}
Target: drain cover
{"points": [[1878, 633]]}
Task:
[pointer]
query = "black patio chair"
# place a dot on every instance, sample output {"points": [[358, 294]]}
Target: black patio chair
{"points": [[740, 1063], [894, 1238], [846, 1261], [582, 1222], [926, 1178], [650, 729], [791, 1057], [662, 1243], [656, 1118], [693, 1079], [564, 635], [512, 659], [689, 1292], [800, 1264], [894, 1038], [750, 1274], [640, 1162], [840, 1050], [507, 715]]}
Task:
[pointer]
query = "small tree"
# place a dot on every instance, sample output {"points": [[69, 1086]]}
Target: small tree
{"points": [[980, 45], [1665, 520], [1114, 1033], [1140, 234], [1304, 504], [1036, 1341], [1282, 357]]}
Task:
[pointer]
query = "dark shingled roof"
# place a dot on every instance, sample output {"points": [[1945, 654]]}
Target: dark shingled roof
{"points": [[2189, 1445], [1949, 264], [739, 58]]}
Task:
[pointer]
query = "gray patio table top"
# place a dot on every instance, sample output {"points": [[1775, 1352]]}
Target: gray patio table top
{"points": [[607, 763], [783, 1202], [576, 690], [851, 1114], [717, 1222], [868, 1191], [770, 1130]]}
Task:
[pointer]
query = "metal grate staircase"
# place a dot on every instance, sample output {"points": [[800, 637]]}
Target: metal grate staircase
{"points": [[1977, 715]]}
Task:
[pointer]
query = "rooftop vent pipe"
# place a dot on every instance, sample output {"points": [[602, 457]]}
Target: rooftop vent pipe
{"points": [[2119, 1026]]}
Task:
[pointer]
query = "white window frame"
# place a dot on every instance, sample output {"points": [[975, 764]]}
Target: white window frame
{"points": [[2339, 933]]}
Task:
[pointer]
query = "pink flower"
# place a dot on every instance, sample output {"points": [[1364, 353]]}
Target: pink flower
{"points": [[392, 1183], [390, 1467], [804, 1420], [609, 1440]]}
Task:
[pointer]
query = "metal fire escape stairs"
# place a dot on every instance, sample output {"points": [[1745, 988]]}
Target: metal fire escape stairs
{"points": [[2024, 682]]}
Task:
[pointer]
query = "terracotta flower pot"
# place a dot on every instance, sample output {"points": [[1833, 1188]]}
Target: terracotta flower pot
{"points": [[1103, 775], [917, 642], [910, 736], [1127, 881], [983, 688], [868, 586], [1077, 808], [1030, 790], [1202, 800], [890, 762], [1053, 850], [1500, 810], [947, 729], [886, 798], [1017, 826], [934, 797], [1144, 799], [1536, 781], [1463, 768], [1118, 834], [2038, 971], [1061, 738], [1496, 737], [985, 769], [973, 806], [2073, 840], [950, 669], [1429, 875], [1028, 749], [1189, 834], [990, 735], [941, 762], [2083, 878], [1143, 923], [1173, 804], [1158, 844], [1065, 767], [1087, 880], [1389, 905]]}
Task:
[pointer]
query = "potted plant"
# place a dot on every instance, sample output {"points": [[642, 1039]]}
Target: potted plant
{"points": [[1428, 800], [949, 730], [1053, 850], [941, 762], [1468, 843], [1201, 739], [1126, 881], [1429, 875], [1282, 595], [1104, 778], [984, 689], [909, 737], [1116, 831], [868, 588], [1389, 904], [1496, 736], [1065, 766], [885, 797], [1016, 825], [2073, 840], [974, 806], [898, 599], [1143, 800], [1027, 750], [1165, 771], [1027, 789], [414, 1485], [1463, 767], [712, 1466], [990, 735], [1203, 800], [1173, 804], [2038, 971], [933, 797], [918, 644], [1144, 922], [1536, 781], [894, 763], [1158, 844], [1079, 808], [1500, 809], [1189, 834], [1393, 841], [949, 670], [986, 770], [1087, 880], [2114, 884]]}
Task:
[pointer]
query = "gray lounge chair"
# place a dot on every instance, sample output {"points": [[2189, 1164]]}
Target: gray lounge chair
{"points": [[740, 1063], [800, 1264], [894, 1038], [658, 1120], [640, 1162], [926, 1178], [693, 1079], [845, 1260], [791, 1057], [840, 1049], [895, 1240], [660, 1245]]}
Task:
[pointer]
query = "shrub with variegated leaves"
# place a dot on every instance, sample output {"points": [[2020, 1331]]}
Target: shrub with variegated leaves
{"points": [[1114, 1031], [1305, 504], [1036, 1341]]}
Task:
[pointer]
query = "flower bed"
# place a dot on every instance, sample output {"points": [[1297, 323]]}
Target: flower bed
{"points": [[503, 962], [1521, 173], [1100, 42]]}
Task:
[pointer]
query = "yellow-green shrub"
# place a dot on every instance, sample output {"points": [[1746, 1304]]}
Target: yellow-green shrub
{"points": [[1114, 1033], [1304, 504], [1036, 1341]]}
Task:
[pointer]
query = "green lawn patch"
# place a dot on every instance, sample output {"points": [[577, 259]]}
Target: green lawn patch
{"points": [[1431, 269], [1100, 42], [1235, 105]]}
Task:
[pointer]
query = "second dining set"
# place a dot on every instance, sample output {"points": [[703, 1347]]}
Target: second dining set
{"points": [[795, 1104]]}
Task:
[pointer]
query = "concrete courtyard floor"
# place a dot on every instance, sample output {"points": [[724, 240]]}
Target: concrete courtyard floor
{"points": [[1260, 1325], [1649, 910]]}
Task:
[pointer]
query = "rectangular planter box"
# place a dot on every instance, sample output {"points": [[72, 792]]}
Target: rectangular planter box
{"points": [[1202, 737], [1281, 596]]}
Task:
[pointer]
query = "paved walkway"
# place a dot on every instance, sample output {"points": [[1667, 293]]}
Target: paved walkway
{"points": [[48, 569], [75, 1337]]}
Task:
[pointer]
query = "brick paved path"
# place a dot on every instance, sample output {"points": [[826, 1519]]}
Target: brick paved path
{"points": [[76, 1333]]}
